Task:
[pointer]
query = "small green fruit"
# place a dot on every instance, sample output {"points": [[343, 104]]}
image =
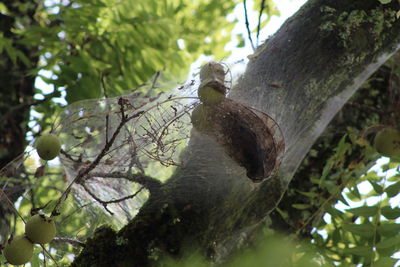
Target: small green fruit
{"points": [[209, 96], [18, 251], [387, 142], [40, 229], [48, 146]]}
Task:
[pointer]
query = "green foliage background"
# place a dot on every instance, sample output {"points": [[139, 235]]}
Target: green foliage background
{"points": [[97, 48]]}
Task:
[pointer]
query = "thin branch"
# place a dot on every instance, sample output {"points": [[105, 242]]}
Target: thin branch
{"points": [[48, 253], [10, 204], [93, 195], [248, 25], [84, 171], [68, 156], [124, 198], [153, 185], [107, 115], [153, 85], [262, 6], [105, 203]]}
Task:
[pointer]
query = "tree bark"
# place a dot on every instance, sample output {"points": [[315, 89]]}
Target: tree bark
{"points": [[16, 95], [356, 117], [302, 76]]}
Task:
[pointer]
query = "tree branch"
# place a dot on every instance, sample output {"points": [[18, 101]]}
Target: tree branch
{"points": [[248, 25]]}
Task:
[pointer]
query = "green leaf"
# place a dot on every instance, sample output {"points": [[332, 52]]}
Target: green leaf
{"points": [[384, 2], [394, 178], [334, 212], [23, 58], [387, 252], [327, 168], [364, 211], [342, 147], [11, 52], [393, 164], [365, 230], [389, 242], [386, 262], [389, 229], [354, 194], [336, 236], [282, 213], [308, 194], [330, 186], [360, 251], [301, 206], [390, 213], [385, 167], [241, 42], [343, 200], [377, 187], [318, 239], [3, 9], [393, 190]]}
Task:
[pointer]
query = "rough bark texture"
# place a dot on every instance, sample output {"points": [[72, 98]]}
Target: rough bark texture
{"points": [[318, 59], [16, 95], [363, 110]]}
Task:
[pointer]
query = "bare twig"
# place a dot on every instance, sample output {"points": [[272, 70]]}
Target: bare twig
{"points": [[153, 85], [262, 6], [93, 195], [68, 156], [48, 254], [153, 185], [248, 25], [123, 198], [90, 165], [10, 204], [103, 86], [105, 203], [84, 171]]}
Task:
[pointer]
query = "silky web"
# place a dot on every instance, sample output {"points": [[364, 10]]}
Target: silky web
{"points": [[109, 143], [139, 133]]}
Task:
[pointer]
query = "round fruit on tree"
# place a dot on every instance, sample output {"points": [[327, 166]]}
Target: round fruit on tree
{"points": [[387, 142], [40, 229], [18, 251], [48, 146]]}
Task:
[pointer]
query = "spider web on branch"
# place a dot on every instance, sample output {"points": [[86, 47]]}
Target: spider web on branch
{"points": [[156, 130]]}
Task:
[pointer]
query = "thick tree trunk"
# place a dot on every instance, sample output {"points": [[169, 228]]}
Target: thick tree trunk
{"points": [[356, 117], [301, 77]]}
